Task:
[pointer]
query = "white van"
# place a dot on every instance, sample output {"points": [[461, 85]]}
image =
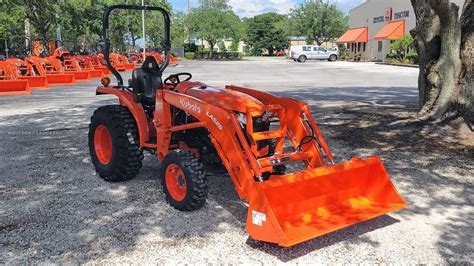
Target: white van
{"points": [[301, 53]]}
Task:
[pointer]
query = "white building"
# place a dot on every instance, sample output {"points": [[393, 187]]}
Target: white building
{"points": [[375, 23]]}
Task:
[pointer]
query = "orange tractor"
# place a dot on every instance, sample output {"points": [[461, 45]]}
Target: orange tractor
{"points": [[10, 84], [27, 71], [253, 134], [62, 60], [54, 76]]}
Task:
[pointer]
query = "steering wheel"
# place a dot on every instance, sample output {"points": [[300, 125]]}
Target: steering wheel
{"points": [[175, 79]]}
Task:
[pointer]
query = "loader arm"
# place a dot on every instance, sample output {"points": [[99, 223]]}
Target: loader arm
{"points": [[225, 135]]}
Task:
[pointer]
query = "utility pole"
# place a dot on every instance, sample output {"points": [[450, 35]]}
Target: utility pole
{"points": [[59, 38], [27, 32], [143, 29], [185, 26], [6, 48]]}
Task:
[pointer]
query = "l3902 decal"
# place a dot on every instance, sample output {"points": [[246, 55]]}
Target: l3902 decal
{"points": [[214, 119]]}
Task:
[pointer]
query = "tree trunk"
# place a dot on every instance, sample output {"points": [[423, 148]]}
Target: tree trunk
{"points": [[132, 35], [465, 99], [211, 52], [444, 45], [270, 51]]}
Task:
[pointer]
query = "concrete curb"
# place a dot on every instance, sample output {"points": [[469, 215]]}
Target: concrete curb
{"points": [[395, 64]]}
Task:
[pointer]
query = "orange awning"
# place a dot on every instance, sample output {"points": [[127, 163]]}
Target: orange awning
{"points": [[392, 31], [354, 35]]}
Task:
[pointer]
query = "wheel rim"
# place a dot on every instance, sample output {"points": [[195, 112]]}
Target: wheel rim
{"points": [[103, 144], [175, 182]]}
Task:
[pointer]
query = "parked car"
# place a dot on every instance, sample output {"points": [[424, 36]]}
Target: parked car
{"points": [[301, 53], [280, 53]]}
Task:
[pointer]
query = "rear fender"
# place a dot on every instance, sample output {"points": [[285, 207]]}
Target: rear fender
{"points": [[126, 99]]}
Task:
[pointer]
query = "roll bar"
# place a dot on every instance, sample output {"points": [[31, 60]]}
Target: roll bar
{"points": [[166, 44]]}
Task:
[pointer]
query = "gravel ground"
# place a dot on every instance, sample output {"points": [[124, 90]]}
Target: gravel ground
{"points": [[54, 208]]}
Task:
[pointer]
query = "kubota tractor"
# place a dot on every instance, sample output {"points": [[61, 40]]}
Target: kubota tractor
{"points": [[63, 60], [254, 134]]}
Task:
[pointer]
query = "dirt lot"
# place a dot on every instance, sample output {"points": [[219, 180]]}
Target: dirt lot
{"points": [[54, 208]]}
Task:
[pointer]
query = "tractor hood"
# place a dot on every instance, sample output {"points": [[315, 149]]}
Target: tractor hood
{"points": [[224, 98]]}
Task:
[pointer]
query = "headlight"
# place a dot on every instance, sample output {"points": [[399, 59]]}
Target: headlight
{"points": [[242, 118]]}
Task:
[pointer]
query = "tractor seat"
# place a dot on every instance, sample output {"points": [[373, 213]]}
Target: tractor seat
{"points": [[146, 80]]}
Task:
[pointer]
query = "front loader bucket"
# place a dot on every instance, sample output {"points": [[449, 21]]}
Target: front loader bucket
{"points": [[105, 70], [129, 66], [36, 82], [293, 208], [61, 79], [81, 75], [14, 87], [97, 73]]}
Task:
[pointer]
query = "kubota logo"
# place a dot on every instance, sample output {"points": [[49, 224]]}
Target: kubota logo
{"points": [[190, 106]]}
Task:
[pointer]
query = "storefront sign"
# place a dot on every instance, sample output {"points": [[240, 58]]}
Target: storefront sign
{"points": [[379, 19], [388, 14], [403, 14]]}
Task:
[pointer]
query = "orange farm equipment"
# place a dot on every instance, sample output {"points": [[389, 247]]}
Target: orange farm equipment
{"points": [[173, 58], [98, 62], [9, 84], [271, 147], [116, 62], [124, 61], [54, 76], [158, 57], [26, 71], [62, 60], [135, 57], [85, 63]]}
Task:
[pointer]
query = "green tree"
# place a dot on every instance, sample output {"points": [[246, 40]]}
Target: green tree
{"points": [[221, 5], [81, 23], [178, 29], [42, 15], [401, 46], [265, 31], [214, 21], [320, 21], [12, 17]]}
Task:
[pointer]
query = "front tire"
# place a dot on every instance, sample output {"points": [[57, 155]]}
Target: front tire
{"points": [[114, 144], [184, 181], [332, 58]]}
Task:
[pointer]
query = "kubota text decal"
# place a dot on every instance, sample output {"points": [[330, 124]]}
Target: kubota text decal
{"points": [[186, 104]]}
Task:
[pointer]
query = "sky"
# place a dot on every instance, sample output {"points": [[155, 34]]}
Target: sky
{"points": [[249, 8]]}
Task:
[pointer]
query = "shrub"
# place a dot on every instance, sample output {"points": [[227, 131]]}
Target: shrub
{"points": [[412, 57], [343, 51], [391, 56], [190, 55], [219, 55], [401, 46], [190, 47]]}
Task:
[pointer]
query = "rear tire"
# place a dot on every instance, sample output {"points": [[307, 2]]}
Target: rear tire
{"points": [[302, 59], [184, 181], [332, 58], [114, 143]]}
